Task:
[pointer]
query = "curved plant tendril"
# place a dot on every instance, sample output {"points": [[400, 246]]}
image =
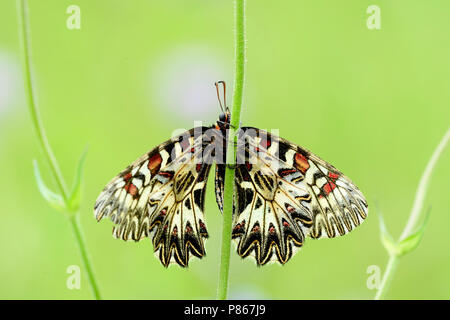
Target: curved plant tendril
{"points": [[413, 231], [65, 201]]}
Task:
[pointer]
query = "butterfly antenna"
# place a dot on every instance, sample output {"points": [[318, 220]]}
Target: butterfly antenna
{"points": [[224, 94]]}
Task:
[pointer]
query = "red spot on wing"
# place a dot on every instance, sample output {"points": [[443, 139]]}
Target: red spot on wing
{"points": [[333, 176], [289, 208], [285, 224], [272, 230], [166, 174], [301, 163], [239, 226], [287, 172], [328, 187], [248, 166], [131, 189], [154, 163], [264, 144], [184, 143], [202, 230], [127, 177], [198, 167]]}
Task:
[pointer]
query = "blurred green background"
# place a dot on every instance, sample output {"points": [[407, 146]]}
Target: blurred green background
{"points": [[374, 103]]}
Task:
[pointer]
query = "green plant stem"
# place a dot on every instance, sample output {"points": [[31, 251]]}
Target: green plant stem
{"points": [[24, 34], [387, 276], [414, 216], [422, 188], [239, 72], [79, 236], [30, 95]]}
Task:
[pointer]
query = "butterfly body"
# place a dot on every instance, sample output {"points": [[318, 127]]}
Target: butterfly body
{"points": [[283, 193]]}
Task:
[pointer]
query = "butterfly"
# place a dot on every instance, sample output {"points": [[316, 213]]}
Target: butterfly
{"points": [[283, 193]]}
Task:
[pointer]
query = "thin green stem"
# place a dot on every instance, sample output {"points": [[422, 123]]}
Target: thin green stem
{"points": [[79, 236], [422, 188], [239, 66], [239, 72], [24, 34], [414, 217], [387, 277]]}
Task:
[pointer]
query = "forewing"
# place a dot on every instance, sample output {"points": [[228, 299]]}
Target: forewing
{"points": [[162, 194]]}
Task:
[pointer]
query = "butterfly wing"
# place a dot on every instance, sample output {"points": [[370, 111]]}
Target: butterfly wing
{"points": [[284, 192], [162, 194]]}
